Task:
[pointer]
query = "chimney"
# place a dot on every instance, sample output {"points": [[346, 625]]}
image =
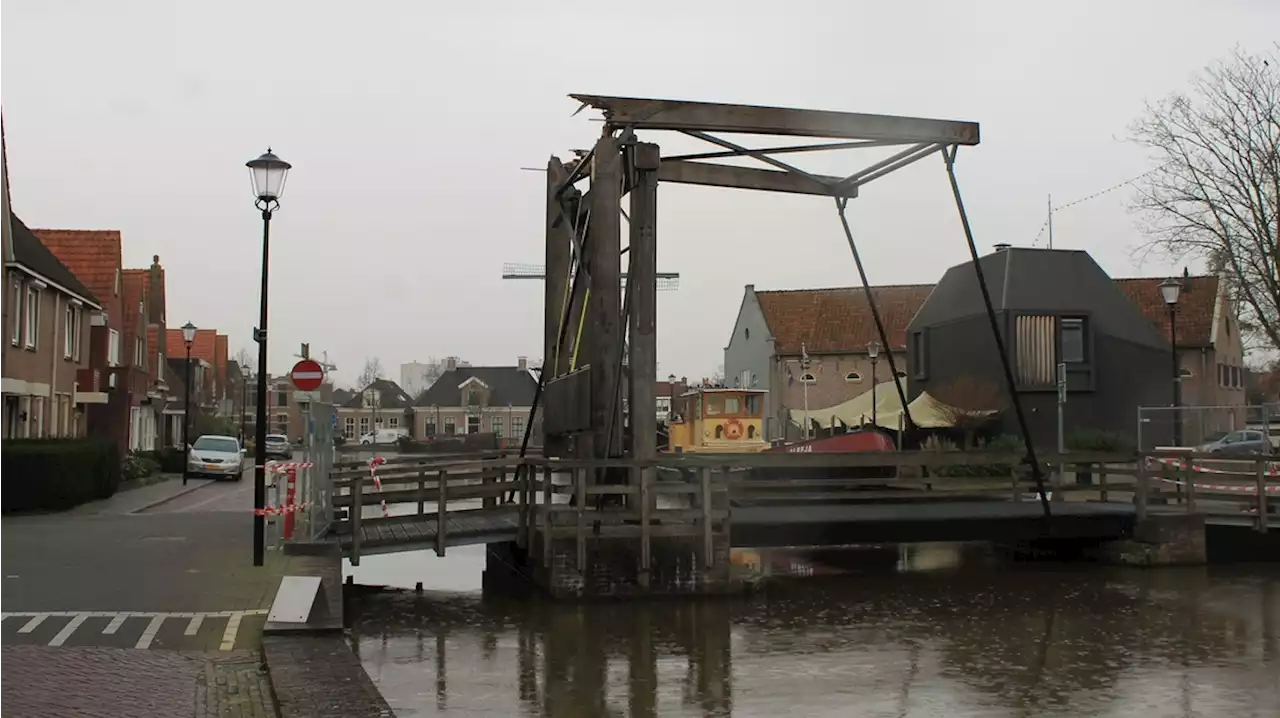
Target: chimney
{"points": [[522, 363], [1002, 246], [451, 363]]}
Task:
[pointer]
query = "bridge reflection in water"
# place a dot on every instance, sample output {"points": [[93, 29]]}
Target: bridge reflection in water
{"points": [[960, 638]]}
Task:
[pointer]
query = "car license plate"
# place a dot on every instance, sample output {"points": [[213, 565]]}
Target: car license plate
{"points": [[212, 466]]}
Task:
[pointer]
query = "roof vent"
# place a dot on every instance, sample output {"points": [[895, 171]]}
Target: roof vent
{"points": [[1002, 246]]}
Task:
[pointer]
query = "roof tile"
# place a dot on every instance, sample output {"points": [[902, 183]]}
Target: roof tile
{"points": [[1195, 306], [93, 255]]}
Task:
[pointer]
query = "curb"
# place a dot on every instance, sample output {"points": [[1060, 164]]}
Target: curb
{"points": [[167, 499]]}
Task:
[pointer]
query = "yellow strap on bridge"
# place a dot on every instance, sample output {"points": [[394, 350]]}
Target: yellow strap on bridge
{"points": [[577, 340]]}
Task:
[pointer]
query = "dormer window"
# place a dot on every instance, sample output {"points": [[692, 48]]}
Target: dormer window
{"points": [[807, 378], [853, 377]]}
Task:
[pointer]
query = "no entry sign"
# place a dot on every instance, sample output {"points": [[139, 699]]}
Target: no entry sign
{"points": [[307, 375]]}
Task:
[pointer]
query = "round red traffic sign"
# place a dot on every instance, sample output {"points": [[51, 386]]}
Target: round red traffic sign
{"points": [[307, 375]]}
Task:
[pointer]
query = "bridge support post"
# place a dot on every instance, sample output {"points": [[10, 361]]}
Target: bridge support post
{"points": [[642, 283], [604, 339], [559, 242]]}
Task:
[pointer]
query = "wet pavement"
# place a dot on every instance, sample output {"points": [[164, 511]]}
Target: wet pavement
{"points": [[920, 631]]}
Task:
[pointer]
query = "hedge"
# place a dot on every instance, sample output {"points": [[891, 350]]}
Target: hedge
{"points": [[57, 474]]}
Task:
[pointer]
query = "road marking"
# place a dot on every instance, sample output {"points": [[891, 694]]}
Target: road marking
{"points": [[149, 635], [229, 635], [115, 624], [68, 629], [35, 621], [194, 626]]}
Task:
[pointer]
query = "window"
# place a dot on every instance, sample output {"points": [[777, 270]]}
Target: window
{"points": [[853, 376], [495, 425], [364, 425], [746, 332], [430, 428], [139, 352], [1186, 373], [349, 427], [517, 426], [37, 417], [113, 349], [282, 398], [69, 333], [393, 422], [1073, 347], [473, 425], [1237, 377], [32, 316], [15, 301], [282, 423], [449, 426], [753, 404], [919, 359], [731, 405], [807, 378]]}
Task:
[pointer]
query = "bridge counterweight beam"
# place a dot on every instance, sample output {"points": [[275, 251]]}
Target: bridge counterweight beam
{"points": [[604, 337]]}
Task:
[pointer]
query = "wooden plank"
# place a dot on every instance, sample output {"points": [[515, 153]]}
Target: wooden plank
{"points": [[704, 501], [709, 174], [442, 478], [580, 500], [658, 114]]}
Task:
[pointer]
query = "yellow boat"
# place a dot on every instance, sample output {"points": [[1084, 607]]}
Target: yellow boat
{"points": [[718, 421]]}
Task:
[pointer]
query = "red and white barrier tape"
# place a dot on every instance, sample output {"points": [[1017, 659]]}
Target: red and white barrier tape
{"points": [[1273, 468], [1231, 488], [284, 467], [281, 510], [374, 463], [385, 513]]}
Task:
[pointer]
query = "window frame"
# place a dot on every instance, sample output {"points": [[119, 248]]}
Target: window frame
{"points": [[807, 378], [1080, 325], [853, 377], [919, 354], [517, 426], [496, 425], [474, 418], [450, 426], [31, 318], [114, 342], [349, 427], [17, 292], [68, 332]]}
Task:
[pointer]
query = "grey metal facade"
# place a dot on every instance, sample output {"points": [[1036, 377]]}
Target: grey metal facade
{"points": [[749, 357], [1120, 363]]}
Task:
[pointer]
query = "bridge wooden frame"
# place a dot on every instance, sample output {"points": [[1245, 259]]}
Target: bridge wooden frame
{"points": [[518, 496]]}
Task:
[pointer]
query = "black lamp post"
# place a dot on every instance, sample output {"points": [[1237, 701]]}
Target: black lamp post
{"points": [[1169, 289], [268, 174], [244, 399], [671, 410], [873, 353], [188, 336]]}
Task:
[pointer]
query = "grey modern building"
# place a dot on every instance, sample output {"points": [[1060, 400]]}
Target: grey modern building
{"points": [[1052, 306]]}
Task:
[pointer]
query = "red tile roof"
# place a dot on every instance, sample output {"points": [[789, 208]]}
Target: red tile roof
{"points": [[203, 347], [829, 321], [93, 255], [1196, 303], [839, 321], [220, 357]]}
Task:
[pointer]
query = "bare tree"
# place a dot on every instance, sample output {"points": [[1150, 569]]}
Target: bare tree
{"points": [[969, 404], [1215, 195], [371, 372], [243, 359]]}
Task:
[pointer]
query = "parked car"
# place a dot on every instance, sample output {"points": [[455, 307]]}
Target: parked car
{"points": [[383, 436], [218, 457], [278, 447], [1244, 442]]}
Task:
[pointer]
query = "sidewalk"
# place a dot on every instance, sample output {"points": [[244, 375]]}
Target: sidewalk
{"points": [[139, 499]]}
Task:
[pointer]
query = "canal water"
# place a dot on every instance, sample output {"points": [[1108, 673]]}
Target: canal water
{"points": [[925, 630]]}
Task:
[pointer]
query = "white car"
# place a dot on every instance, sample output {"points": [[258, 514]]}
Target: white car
{"points": [[383, 436], [218, 457]]}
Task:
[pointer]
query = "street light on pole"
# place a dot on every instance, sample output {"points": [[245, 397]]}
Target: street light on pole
{"points": [[244, 399], [873, 353], [268, 173], [188, 336], [1169, 290]]}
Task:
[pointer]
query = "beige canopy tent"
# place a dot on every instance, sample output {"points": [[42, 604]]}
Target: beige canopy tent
{"points": [[926, 411]]}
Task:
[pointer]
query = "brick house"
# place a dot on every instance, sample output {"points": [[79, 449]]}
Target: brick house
{"points": [[474, 400], [380, 405], [47, 314], [210, 391], [835, 326], [118, 339]]}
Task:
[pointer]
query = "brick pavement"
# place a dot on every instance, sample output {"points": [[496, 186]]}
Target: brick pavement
{"points": [[42, 682], [318, 676]]}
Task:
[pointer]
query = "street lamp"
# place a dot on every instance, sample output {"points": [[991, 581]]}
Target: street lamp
{"points": [[671, 409], [268, 174], [188, 336], [1169, 290], [873, 353], [244, 399]]}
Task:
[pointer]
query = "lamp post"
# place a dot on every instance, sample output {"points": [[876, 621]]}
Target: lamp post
{"points": [[1169, 290], [188, 336], [244, 399], [268, 174], [873, 353], [671, 408]]}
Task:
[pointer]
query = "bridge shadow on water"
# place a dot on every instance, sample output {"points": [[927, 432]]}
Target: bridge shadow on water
{"points": [[922, 630]]}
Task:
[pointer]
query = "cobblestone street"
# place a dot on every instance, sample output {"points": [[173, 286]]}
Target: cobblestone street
{"points": [[40, 682]]}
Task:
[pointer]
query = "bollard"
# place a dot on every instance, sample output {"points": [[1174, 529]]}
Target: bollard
{"points": [[290, 498]]}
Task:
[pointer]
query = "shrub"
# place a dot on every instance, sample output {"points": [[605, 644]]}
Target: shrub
{"points": [[168, 459], [137, 465], [1003, 444], [1102, 441], [57, 474]]}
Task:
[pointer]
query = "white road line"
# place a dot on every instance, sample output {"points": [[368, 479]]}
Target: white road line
{"points": [[194, 626], [149, 635], [68, 629], [229, 635], [35, 621], [115, 624]]}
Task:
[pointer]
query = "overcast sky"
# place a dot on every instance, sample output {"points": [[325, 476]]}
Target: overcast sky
{"points": [[408, 122]]}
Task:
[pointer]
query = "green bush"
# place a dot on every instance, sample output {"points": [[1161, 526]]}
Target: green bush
{"points": [[137, 465], [1003, 444], [57, 474], [168, 460], [1101, 441]]}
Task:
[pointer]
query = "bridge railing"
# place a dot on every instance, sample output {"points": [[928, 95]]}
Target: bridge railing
{"points": [[694, 495]]}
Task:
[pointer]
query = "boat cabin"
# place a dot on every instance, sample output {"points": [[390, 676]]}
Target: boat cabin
{"points": [[718, 421]]}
